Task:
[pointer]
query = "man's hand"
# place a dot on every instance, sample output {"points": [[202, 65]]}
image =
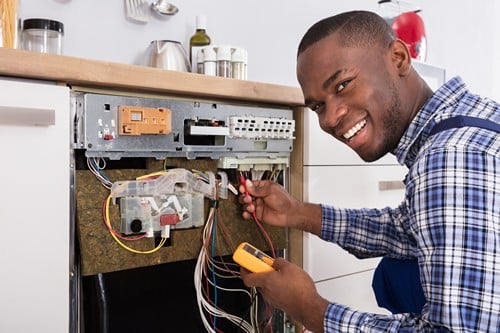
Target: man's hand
{"points": [[290, 289]]}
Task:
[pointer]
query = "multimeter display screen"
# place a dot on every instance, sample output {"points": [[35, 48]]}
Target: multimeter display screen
{"points": [[253, 251]]}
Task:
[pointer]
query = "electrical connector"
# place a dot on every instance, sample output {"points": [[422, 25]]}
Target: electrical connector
{"points": [[249, 127], [255, 163]]}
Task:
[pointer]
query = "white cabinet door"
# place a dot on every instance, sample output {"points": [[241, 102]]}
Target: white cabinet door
{"points": [[340, 277], [351, 291], [348, 187], [34, 207]]}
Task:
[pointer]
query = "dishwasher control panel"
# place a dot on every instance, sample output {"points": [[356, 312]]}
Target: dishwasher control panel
{"points": [[116, 126]]}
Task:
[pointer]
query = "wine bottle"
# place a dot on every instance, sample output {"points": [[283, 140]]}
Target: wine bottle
{"points": [[198, 40]]}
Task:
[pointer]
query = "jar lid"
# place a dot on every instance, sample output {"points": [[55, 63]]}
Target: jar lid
{"points": [[239, 55], [44, 24], [208, 53], [223, 53]]}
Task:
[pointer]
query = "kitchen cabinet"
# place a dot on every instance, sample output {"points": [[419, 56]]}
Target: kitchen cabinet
{"points": [[37, 202], [34, 206], [347, 187], [357, 186], [349, 291]]}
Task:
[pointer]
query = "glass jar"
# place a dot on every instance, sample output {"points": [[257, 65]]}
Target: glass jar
{"points": [[209, 61], [239, 63], [223, 54], [42, 35]]}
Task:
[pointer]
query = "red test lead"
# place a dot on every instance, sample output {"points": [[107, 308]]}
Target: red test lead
{"points": [[243, 182]]}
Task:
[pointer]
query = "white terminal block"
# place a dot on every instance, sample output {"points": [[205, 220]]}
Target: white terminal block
{"points": [[249, 127], [255, 163], [208, 130]]}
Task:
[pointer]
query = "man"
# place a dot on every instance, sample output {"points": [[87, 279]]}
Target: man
{"points": [[358, 78]]}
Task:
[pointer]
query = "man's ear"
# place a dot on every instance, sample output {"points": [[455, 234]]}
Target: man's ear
{"points": [[400, 56]]}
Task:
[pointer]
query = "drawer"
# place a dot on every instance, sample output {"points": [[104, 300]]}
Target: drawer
{"points": [[372, 186]]}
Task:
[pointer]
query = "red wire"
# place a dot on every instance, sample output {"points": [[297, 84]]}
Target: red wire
{"points": [[254, 215], [116, 233]]}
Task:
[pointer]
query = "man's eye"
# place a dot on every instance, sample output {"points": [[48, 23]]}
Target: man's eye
{"points": [[316, 107], [342, 86]]}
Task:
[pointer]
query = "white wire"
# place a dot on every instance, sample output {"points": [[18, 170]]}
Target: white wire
{"points": [[95, 168], [204, 304]]}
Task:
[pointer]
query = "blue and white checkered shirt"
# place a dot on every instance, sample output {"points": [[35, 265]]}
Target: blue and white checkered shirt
{"points": [[449, 221]]}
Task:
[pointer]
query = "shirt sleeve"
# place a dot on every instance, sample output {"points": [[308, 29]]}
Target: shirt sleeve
{"points": [[370, 232], [339, 318]]}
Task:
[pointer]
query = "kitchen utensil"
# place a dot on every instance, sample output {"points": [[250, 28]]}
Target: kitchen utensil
{"points": [[8, 23], [167, 54], [137, 10], [163, 7]]}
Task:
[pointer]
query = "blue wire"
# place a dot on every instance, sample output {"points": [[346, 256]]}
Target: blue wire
{"points": [[214, 228], [94, 163]]}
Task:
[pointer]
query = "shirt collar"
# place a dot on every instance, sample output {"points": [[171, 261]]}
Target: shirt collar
{"points": [[430, 114]]}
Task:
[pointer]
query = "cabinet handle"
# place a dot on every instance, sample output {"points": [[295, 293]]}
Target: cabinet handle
{"points": [[389, 185], [11, 115]]}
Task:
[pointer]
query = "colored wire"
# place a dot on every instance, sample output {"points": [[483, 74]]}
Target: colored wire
{"points": [[214, 280], [152, 175], [108, 225], [94, 165], [256, 220], [203, 268], [112, 230]]}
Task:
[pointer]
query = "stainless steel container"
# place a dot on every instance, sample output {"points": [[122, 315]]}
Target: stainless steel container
{"points": [[167, 54]]}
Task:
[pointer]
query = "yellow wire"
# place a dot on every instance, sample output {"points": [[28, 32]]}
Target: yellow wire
{"points": [[162, 242], [159, 173]]}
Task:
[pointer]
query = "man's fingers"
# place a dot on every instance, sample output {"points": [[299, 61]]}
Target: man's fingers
{"points": [[279, 263]]}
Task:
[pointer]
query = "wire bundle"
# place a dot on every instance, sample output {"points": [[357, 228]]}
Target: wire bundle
{"points": [[208, 272], [205, 268], [96, 165]]}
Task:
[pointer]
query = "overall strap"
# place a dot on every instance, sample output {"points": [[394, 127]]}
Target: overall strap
{"points": [[461, 121]]}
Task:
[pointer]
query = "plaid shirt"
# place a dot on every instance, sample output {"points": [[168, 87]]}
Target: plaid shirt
{"points": [[449, 221]]}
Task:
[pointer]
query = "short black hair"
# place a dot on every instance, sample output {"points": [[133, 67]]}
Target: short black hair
{"points": [[357, 28]]}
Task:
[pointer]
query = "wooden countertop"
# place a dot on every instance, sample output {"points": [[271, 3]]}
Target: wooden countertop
{"points": [[100, 74]]}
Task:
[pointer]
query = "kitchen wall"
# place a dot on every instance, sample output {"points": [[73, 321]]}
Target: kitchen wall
{"points": [[460, 34]]}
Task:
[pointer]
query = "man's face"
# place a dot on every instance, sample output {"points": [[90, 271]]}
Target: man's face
{"points": [[354, 93]]}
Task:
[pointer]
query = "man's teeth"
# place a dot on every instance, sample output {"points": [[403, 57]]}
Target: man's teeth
{"points": [[354, 130]]}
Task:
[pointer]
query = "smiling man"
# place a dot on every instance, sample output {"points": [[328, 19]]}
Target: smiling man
{"points": [[365, 91], [358, 78]]}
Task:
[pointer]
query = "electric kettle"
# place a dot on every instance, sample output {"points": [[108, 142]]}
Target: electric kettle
{"points": [[167, 54]]}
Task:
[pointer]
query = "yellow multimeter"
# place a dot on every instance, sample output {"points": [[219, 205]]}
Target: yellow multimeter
{"points": [[252, 258]]}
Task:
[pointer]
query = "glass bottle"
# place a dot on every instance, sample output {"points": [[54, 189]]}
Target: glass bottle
{"points": [[197, 41]]}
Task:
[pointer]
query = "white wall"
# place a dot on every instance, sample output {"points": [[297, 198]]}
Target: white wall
{"points": [[460, 34]]}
